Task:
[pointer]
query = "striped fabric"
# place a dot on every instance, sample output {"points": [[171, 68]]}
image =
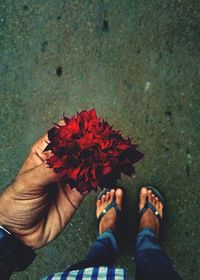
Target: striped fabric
{"points": [[90, 273]]}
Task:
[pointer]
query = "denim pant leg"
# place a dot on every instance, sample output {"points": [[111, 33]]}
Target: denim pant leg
{"points": [[103, 252], [151, 261]]}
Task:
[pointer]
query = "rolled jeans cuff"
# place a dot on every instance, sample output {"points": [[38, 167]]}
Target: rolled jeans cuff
{"points": [[147, 239], [108, 234]]}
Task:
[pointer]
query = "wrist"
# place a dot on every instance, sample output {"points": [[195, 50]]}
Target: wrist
{"points": [[6, 270], [14, 255]]}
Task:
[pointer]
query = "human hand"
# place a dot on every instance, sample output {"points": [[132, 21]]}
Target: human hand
{"points": [[35, 206]]}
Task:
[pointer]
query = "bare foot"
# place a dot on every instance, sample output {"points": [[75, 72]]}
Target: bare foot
{"points": [[109, 220], [149, 219]]}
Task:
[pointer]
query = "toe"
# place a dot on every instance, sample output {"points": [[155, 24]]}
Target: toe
{"points": [[98, 203], [160, 208], [161, 205], [112, 194], [119, 195], [103, 198], [150, 197], [143, 197], [107, 196], [154, 201]]}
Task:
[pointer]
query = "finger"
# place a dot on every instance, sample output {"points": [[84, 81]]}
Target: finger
{"points": [[62, 206], [39, 147], [31, 162], [61, 122], [36, 179], [37, 154], [41, 143]]}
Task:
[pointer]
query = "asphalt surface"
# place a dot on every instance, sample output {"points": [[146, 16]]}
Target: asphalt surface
{"points": [[137, 63]]}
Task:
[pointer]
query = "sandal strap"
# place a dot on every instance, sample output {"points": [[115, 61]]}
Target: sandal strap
{"points": [[103, 192], [153, 209], [156, 193], [114, 205]]}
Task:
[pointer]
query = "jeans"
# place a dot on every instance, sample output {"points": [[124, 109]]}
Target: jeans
{"points": [[150, 260]]}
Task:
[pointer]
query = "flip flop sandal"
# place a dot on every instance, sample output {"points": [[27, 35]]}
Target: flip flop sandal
{"points": [[150, 206], [113, 204]]}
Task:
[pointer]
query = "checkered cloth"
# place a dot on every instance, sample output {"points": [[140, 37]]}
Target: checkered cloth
{"points": [[91, 273]]}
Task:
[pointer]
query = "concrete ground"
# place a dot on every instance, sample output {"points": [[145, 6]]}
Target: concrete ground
{"points": [[137, 63]]}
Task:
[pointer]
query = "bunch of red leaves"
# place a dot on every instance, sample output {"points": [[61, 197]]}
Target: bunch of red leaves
{"points": [[88, 153]]}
